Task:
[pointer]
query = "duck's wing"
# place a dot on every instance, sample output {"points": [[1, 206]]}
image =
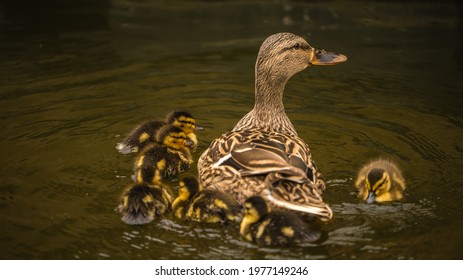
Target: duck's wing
{"points": [[239, 162], [260, 158]]}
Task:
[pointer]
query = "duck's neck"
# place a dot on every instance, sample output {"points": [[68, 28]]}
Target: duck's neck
{"points": [[268, 113], [269, 94]]}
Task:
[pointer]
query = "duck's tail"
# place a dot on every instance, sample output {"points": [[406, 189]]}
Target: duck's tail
{"points": [[124, 148], [300, 197], [141, 203]]}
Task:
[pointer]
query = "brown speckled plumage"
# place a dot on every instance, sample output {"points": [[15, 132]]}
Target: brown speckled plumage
{"points": [[263, 153]]}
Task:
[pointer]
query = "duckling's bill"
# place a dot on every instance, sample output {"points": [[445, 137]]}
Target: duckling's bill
{"points": [[371, 198], [190, 143], [199, 128]]}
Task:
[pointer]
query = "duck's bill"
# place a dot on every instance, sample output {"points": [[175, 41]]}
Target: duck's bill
{"points": [[322, 57], [371, 198], [189, 143], [199, 128]]}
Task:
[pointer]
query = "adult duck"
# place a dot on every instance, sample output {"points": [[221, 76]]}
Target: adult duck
{"points": [[263, 154]]}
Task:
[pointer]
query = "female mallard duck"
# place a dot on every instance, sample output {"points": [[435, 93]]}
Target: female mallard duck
{"points": [[274, 228], [159, 161], [263, 154], [145, 133], [380, 181], [209, 206], [142, 202]]}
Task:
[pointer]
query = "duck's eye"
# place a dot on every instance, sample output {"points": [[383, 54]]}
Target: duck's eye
{"points": [[297, 46], [381, 187], [185, 122], [177, 138]]}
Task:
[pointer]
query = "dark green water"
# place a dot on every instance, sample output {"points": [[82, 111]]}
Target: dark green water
{"points": [[76, 76]]}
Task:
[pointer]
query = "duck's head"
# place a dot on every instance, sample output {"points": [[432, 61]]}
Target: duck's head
{"points": [[173, 137], [184, 120], [285, 54], [188, 187], [255, 208], [377, 187]]}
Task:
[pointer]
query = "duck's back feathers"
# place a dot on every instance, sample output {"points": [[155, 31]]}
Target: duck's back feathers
{"points": [[261, 158], [245, 163]]}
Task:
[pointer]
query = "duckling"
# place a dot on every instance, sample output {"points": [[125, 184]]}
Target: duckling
{"points": [[164, 159], [276, 228], [141, 203], [145, 133], [187, 123], [209, 206], [380, 181]]}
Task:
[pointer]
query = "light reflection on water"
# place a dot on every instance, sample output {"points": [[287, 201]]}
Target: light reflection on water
{"points": [[69, 93]]}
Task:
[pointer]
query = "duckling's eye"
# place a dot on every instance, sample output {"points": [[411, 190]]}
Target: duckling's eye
{"points": [[384, 184], [177, 138], [381, 187], [187, 123]]}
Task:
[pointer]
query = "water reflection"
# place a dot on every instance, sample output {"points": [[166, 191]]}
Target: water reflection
{"points": [[76, 75]]}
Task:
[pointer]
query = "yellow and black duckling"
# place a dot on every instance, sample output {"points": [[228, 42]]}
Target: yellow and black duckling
{"points": [[265, 143], [380, 181], [145, 133], [276, 228], [208, 206], [164, 159], [142, 202]]}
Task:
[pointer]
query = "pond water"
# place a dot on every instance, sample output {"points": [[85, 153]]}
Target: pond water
{"points": [[76, 76]]}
